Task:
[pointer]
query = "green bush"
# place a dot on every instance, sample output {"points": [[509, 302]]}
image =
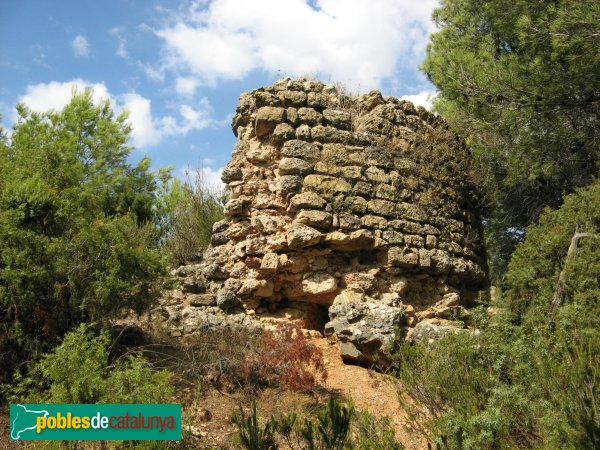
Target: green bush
{"points": [[189, 210], [78, 228], [530, 376], [79, 371], [337, 426], [536, 264]]}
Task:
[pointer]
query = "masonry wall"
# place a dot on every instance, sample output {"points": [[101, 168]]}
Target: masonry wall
{"points": [[358, 211]]}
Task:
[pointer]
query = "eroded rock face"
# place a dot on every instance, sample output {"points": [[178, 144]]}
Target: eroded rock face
{"points": [[360, 205]]}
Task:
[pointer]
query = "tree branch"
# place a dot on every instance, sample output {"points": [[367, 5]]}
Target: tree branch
{"points": [[559, 292]]}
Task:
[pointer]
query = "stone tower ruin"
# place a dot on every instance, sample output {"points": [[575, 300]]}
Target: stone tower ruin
{"points": [[357, 214]]}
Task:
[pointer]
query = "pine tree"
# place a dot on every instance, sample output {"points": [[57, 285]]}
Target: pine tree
{"points": [[78, 234], [521, 81]]}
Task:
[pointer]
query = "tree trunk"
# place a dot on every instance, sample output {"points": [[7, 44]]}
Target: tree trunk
{"points": [[559, 292]]}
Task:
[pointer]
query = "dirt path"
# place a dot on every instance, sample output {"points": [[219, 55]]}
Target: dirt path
{"points": [[369, 390]]}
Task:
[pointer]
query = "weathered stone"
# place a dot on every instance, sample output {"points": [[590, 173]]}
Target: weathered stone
{"points": [[293, 263], [338, 119], [233, 208], [430, 330], [441, 262], [303, 133], [283, 132], [264, 290], [356, 240], [356, 204], [393, 237], [366, 328], [226, 299], [292, 116], [294, 166], [378, 157], [404, 165], [330, 134], [414, 240], [289, 183], [255, 246], [371, 100], [309, 116], [348, 221], [411, 212], [449, 299], [266, 99], [231, 173], [424, 258], [215, 272], [300, 236], [319, 283], [335, 153], [317, 219], [202, 300], [360, 282], [261, 154], [386, 192], [219, 238], [327, 168], [430, 241], [293, 98], [401, 258], [351, 172], [220, 226], [326, 185], [382, 208], [407, 226], [377, 175], [363, 189], [306, 200], [376, 222], [315, 100], [300, 149], [267, 119], [250, 285]]}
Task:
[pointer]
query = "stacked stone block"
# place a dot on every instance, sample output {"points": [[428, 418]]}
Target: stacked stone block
{"points": [[323, 209]]}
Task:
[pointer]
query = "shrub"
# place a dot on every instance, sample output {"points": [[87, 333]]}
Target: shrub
{"points": [[78, 226], [78, 371], [285, 356], [531, 375], [251, 435], [535, 266], [189, 210], [464, 392], [210, 356], [331, 428], [336, 426], [243, 359]]}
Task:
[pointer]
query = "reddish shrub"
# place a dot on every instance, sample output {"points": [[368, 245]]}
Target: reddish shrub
{"points": [[285, 356]]}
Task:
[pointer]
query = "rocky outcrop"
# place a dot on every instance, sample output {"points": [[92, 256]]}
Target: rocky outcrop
{"points": [[359, 207]]}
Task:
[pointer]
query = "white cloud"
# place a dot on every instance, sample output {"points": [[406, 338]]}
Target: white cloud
{"points": [[148, 130], [209, 177], [212, 178], [155, 74], [80, 46], [358, 42], [121, 51], [186, 86], [423, 98], [55, 95]]}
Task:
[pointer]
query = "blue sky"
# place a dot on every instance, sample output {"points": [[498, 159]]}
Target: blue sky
{"points": [[179, 67]]}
